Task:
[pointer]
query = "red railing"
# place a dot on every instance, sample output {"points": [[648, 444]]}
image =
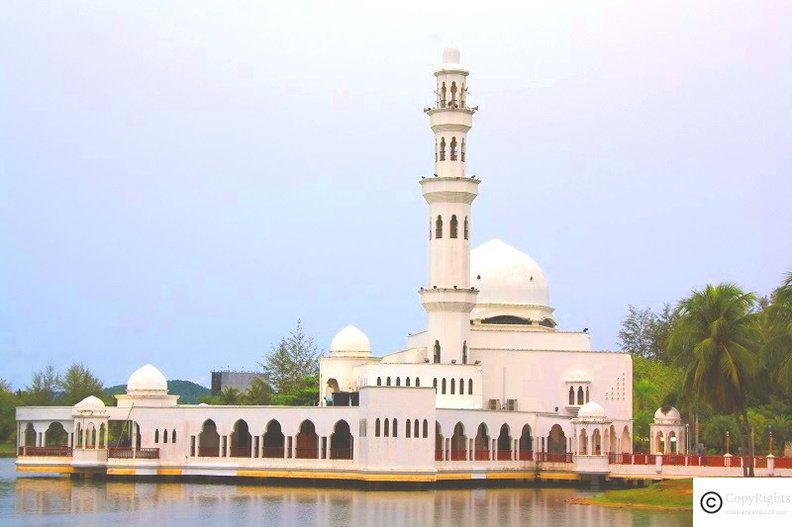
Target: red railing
{"points": [[783, 462], [438, 455], [503, 455], [240, 451], [526, 455], [48, 451], [208, 451], [131, 453], [272, 451], [340, 453], [307, 453], [673, 459], [549, 457], [458, 455], [481, 455]]}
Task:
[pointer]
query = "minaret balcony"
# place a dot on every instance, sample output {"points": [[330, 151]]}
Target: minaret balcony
{"points": [[450, 119], [449, 299], [450, 189]]}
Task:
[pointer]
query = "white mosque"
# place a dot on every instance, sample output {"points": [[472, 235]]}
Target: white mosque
{"points": [[492, 389]]}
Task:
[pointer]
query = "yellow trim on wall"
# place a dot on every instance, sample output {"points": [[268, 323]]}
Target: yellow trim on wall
{"points": [[60, 469], [115, 471], [360, 476], [169, 472]]}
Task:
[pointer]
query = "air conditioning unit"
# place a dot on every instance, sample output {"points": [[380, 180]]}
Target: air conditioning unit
{"points": [[493, 404], [511, 405]]}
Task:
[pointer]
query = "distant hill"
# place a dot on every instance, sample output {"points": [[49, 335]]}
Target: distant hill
{"points": [[189, 391]]}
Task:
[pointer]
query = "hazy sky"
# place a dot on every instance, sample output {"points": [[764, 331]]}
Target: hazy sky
{"points": [[181, 181]]}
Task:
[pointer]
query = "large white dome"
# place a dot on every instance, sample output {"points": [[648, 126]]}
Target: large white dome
{"points": [[350, 340], [147, 380], [510, 284]]}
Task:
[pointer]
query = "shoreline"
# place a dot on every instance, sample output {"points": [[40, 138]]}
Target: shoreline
{"points": [[666, 495]]}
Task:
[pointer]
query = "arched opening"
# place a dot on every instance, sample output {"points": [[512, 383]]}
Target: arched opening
{"points": [[481, 443], [307, 441], [453, 150], [379, 381], [386, 428], [454, 226], [387, 381], [341, 441], [556, 440], [443, 384], [459, 443], [156, 436], [583, 442], [165, 436], [90, 436], [462, 149], [526, 444], [439, 227], [659, 443], [438, 442], [78, 435], [377, 428], [241, 439], [626, 441], [56, 435], [442, 149], [462, 92], [571, 396], [425, 427], [30, 435], [436, 353], [612, 445], [434, 384], [587, 394], [470, 386], [173, 436], [596, 443], [209, 440], [504, 443], [408, 429], [395, 428], [443, 95], [273, 441], [466, 228], [461, 386], [398, 381], [672, 442], [464, 353], [453, 386], [417, 382], [580, 395], [407, 382], [102, 436], [454, 94]]}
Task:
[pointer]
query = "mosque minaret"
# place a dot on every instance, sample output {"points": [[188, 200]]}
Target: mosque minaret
{"points": [[448, 297]]}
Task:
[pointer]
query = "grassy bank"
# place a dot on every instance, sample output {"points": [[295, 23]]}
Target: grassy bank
{"points": [[7, 450], [665, 495]]}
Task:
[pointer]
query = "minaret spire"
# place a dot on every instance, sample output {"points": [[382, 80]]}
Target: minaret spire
{"points": [[448, 298]]}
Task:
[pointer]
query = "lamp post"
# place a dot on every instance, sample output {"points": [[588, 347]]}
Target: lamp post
{"points": [[727, 441], [687, 438], [770, 440]]}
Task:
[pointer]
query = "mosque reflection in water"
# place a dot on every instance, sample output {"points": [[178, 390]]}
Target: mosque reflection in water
{"points": [[194, 503]]}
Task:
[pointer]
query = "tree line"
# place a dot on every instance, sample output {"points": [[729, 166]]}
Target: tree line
{"points": [[723, 357]]}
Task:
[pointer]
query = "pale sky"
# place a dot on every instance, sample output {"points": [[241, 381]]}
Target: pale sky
{"points": [[181, 181]]}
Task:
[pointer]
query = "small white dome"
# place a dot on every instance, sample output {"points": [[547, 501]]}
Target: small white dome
{"points": [[90, 403], [667, 415], [591, 410], [350, 339], [451, 55], [147, 379]]}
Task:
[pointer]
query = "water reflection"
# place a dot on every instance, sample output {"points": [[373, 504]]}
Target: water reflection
{"points": [[125, 503]]}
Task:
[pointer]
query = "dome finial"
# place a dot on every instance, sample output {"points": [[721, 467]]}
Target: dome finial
{"points": [[451, 55]]}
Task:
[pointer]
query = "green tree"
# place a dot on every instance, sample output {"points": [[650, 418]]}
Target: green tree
{"points": [[230, 395], [291, 361], [645, 333], [715, 340], [258, 392], [78, 383], [714, 433], [43, 389], [775, 324], [8, 403]]}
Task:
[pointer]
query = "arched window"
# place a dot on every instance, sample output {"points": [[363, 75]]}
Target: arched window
{"points": [[387, 428], [164, 436], [453, 151], [587, 394], [417, 430], [173, 436], [467, 228], [571, 395], [156, 436], [387, 381], [417, 382], [395, 428], [398, 381], [580, 395], [454, 94], [461, 386], [470, 386], [437, 353], [462, 149], [462, 96], [442, 148], [439, 227], [377, 428], [379, 381], [443, 95], [464, 352], [407, 429], [407, 382], [425, 428], [453, 386], [443, 391], [434, 384], [454, 226]]}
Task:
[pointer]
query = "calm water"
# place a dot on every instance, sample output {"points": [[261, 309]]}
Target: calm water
{"points": [[43, 501]]}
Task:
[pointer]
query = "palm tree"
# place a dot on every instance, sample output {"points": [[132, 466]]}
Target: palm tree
{"points": [[258, 392], [715, 340], [776, 328], [230, 395]]}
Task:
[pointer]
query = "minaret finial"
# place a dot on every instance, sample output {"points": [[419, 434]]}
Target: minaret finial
{"points": [[451, 55]]}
